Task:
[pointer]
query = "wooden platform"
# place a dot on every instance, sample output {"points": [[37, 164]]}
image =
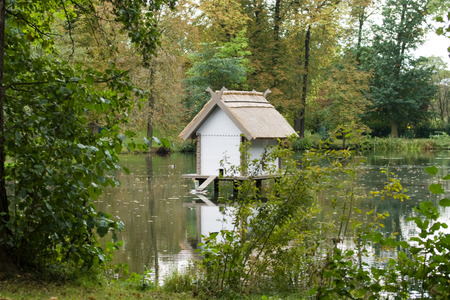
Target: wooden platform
{"points": [[205, 180]]}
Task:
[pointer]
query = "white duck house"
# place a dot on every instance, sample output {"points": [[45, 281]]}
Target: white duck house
{"points": [[228, 119]]}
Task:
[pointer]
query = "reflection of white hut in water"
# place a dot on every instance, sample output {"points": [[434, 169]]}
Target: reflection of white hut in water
{"points": [[228, 119]]}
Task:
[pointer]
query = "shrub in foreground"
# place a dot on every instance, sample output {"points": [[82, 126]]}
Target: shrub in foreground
{"points": [[278, 246]]}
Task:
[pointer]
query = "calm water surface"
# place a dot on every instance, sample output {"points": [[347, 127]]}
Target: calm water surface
{"points": [[163, 221]]}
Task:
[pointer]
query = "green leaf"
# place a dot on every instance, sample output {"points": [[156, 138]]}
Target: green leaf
{"points": [[436, 188], [446, 177], [102, 230], [444, 202], [435, 226], [65, 91], [165, 142], [90, 79], [126, 170], [431, 170], [130, 133]]}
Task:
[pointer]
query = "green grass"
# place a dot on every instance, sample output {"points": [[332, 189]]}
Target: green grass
{"points": [[436, 142], [27, 286]]}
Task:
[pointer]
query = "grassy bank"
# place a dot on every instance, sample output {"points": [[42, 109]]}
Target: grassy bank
{"points": [[436, 142], [27, 286]]}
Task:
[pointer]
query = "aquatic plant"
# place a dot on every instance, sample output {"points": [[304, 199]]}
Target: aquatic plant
{"points": [[164, 144]]}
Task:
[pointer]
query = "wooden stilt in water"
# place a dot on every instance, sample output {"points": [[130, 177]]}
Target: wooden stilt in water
{"points": [[206, 183]]}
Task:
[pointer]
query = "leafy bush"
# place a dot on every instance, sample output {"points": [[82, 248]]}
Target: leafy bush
{"points": [[307, 142], [274, 245], [59, 167], [49, 112], [396, 144], [164, 144], [426, 130], [441, 140], [141, 282], [188, 146], [181, 282], [278, 246]]}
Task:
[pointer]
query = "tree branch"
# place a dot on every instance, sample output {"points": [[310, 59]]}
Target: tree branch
{"points": [[34, 26], [70, 29]]}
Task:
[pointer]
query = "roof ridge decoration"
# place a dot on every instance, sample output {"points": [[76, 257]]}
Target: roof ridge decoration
{"points": [[237, 110], [225, 91], [218, 94]]}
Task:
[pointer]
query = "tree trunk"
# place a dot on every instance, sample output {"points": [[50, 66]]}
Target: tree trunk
{"points": [[4, 210], [276, 33], [299, 122], [361, 19], [151, 104], [394, 129], [401, 45]]}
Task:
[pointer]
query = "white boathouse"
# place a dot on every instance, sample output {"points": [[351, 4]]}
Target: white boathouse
{"points": [[229, 118]]}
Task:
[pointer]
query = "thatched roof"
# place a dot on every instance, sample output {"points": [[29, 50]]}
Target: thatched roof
{"points": [[249, 111]]}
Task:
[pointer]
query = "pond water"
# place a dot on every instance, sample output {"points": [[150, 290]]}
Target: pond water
{"points": [[164, 222]]}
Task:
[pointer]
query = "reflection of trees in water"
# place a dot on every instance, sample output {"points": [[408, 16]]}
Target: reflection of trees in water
{"points": [[153, 249], [149, 202], [410, 170]]}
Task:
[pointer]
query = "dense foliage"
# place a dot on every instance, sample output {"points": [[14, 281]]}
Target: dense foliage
{"points": [[215, 67], [53, 159], [278, 245], [401, 89], [327, 63], [65, 103]]}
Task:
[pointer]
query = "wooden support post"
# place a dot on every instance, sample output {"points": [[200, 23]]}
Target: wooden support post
{"points": [[235, 189], [216, 189], [216, 184], [258, 186], [277, 181]]}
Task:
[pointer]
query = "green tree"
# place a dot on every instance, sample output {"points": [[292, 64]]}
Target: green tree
{"points": [[221, 21], [53, 164], [311, 44], [360, 12], [263, 43], [441, 101], [401, 89], [342, 98], [216, 67], [161, 77]]}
